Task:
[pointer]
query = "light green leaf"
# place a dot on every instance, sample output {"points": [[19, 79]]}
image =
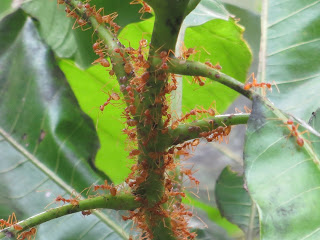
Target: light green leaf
{"points": [[90, 87], [221, 42], [235, 203], [283, 178], [47, 143]]}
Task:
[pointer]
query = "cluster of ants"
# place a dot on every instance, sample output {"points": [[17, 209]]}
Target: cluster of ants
{"points": [[134, 85], [12, 221], [91, 11]]}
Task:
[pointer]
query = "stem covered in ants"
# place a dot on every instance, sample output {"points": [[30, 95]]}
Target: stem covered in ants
{"points": [[189, 131]]}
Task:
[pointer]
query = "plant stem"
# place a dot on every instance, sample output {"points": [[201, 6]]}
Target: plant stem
{"points": [[118, 202], [189, 131], [191, 68]]}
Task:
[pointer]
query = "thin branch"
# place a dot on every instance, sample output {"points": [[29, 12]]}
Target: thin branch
{"points": [[189, 131], [191, 68], [118, 202]]}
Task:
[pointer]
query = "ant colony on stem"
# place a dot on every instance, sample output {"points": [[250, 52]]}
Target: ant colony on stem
{"points": [[146, 117]]}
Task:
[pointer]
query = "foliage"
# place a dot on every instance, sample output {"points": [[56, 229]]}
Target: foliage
{"points": [[52, 126]]}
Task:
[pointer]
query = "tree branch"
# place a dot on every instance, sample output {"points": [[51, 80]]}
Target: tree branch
{"points": [[191, 68], [118, 202], [189, 131]]}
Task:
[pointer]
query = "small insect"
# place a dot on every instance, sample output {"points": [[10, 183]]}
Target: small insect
{"points": [[112, 96], [294, 132], [27, 234], [86, 212], [254, 83]]}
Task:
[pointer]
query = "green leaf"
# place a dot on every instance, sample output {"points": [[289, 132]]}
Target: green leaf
{"points": [[55, 27], [283, 178], [5, 6], [213, 215], [205, 11], [207, 231], [235, 203], [90, 87], [47, 143], [290, 54], [218, 41]]}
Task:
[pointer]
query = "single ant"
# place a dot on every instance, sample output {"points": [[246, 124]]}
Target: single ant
{"points": [[254, 83], [295, 133], [112, 96], [86, 212], [145, 7], [27, 234]]}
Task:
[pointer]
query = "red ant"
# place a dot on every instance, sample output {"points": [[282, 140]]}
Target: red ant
{"points": [[294, 132], [254, 83], [86, 212], [27, 234], [134, 153], [145, 7], [106, 186], [112, 96], [217, 66]]}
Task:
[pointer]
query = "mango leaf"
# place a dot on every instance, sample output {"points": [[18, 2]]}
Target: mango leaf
{"points": [[55, 27], [289, 56], [90, 87], [283, 177], [5, 7], [47, 143], [235, 203], [217, 41]]}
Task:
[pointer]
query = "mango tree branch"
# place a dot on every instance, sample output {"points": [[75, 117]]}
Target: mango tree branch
{"points": [[118, 202], [105, 34], [191, 68], [189, 131]]}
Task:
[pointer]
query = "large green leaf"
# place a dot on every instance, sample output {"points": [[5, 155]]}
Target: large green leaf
{"points": [[90, 87], [235, 203], [47, 143], [219, 41], [283, 178], [56, 27], [290, 54]]}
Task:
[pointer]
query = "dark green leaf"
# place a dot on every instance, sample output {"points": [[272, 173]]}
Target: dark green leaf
{"points": [[47, 143], [235, 203], [55, 27]]}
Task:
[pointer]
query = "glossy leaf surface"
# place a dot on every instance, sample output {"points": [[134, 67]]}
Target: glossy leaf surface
{"points": [[47, 143]]}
